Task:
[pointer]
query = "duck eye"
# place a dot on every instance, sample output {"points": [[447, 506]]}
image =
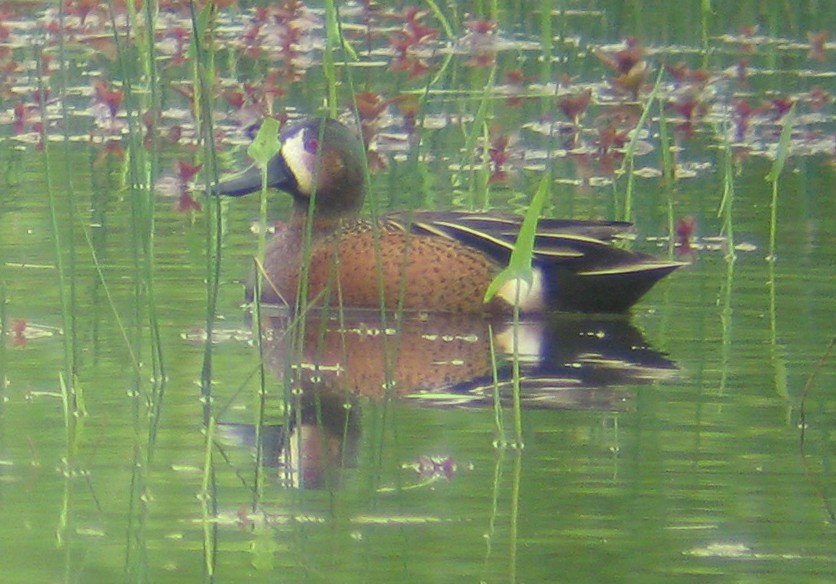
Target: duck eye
{"points": [[311, 145]]}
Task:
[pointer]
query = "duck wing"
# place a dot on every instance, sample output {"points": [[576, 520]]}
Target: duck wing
{"points": [[582, 269], [496, 234]]}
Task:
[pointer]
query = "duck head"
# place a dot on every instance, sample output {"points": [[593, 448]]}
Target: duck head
{"points": [[320, 159]]}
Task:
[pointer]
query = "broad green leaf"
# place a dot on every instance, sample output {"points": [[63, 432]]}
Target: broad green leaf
{"points": [[783, 148], [519, 265], [266, 144]]}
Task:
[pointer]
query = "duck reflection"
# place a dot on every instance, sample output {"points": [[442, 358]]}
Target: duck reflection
{"points": [[333, 363]]}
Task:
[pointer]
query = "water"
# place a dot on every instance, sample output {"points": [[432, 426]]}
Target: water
{"points": [[692, 441]]}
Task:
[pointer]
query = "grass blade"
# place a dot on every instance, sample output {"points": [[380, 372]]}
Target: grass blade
{"points": [[782, 151]]}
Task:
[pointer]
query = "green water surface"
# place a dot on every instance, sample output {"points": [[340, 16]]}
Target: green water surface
{"points": [[717, 469]]}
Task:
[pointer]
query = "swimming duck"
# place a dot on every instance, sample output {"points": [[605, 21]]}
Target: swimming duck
{"points": [[433, 261]]}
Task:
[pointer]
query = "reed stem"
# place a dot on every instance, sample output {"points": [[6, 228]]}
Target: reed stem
{"points": [[782, 151], [628, 165], [668, 173]]}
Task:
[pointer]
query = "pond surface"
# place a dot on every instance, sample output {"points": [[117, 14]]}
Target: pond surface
{"points": [[144, 437]]}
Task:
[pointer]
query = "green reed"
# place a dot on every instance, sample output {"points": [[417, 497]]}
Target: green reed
{"points": [[777, 357], [142, 170], [726, 321], [628, 164], [726, 208], [71, 206], [440, 17], [333, 40], [497, 397], [70, 388], [208, 500], [668, 172], [135, 45], [480, 174], [332, 14], [781, 153], [519, 269], [390, 345], [204, 75], [706, 13], [150, 101], [490, 532], [726, 212], [65, 252], [263, 148], [514, 515], [546, 38]]}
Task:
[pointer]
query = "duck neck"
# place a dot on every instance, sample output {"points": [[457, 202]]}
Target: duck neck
{"points": [[331, 207], [324, 223]]}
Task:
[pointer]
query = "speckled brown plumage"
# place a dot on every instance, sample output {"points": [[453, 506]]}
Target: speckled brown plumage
{"points": [[428, 273]]}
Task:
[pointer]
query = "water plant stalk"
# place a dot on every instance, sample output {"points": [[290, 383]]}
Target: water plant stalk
{"points": [[519, 270], [490, 532], [208, 498], [628, 164], [204, 75], [264, 147], [389, 352], [202, 49], [668, 173], [333, 39], [546, 38], [777, 358], [706, 14], [70, 328], [67, 378], [726, 325], [479, 182], [497, 397], [725, 210], [141, 170], [513, 536], [782, 151]]}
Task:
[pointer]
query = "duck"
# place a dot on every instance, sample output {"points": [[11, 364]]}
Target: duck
{"points": [[432, 261]]}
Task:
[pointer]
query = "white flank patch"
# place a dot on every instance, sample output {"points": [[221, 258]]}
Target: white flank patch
{"points": [[530, 298], [297, 160]]}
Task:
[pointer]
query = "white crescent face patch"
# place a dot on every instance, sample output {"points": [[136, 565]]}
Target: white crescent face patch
{"points": [[299, 161]]}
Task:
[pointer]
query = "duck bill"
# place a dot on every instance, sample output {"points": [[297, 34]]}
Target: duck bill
{"points": [[249, 180]]}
